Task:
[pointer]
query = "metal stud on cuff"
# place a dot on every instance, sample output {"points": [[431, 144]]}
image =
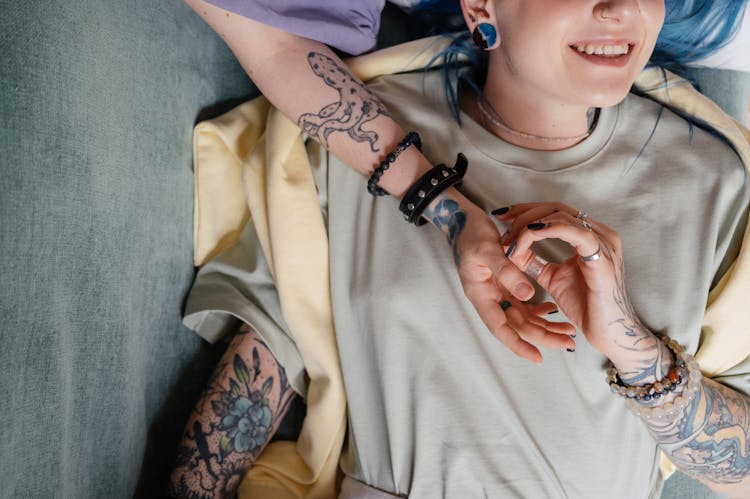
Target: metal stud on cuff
{"points": [[428, 187]]}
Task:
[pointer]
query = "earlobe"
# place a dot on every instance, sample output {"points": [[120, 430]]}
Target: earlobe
{"points": [[481, 23]]}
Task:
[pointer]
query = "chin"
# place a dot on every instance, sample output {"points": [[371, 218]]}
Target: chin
{"points": [[610, 97]]}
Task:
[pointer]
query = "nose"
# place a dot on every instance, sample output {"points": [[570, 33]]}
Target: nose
{"points": [[615, 10]]}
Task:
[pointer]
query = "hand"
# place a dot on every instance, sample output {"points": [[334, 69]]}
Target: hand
{"points": [[590, 286], [495, 286]]}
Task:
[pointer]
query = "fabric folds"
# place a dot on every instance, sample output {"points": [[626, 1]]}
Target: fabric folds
{"points": [[251, 164]]}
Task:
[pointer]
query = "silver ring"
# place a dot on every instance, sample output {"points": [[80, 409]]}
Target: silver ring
{"points": [[594, 257], [535, 267], [582, 215]]}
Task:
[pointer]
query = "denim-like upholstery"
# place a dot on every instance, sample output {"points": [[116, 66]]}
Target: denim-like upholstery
{"points": [[96, 371], [97, 374], [729, 89]]}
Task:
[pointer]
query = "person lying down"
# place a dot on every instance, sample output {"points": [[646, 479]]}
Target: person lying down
{"points": [[626, 215]]}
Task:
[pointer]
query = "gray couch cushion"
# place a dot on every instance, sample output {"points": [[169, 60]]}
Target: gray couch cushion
{"points": [[96, 371]]}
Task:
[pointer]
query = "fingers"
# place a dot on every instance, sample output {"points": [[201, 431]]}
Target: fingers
{"points": [[560, 226], [520, 327], [537, 330], [545, 309], [557, 328], [496, 321], [490, 280], [486, 262], [510, 277], [595, 259], [520, 215]]}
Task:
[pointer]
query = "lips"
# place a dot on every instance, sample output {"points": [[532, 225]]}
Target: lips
{"points": [[614, 53]]}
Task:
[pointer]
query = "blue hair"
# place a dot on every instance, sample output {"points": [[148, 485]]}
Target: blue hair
{"points": [[694, 29]]}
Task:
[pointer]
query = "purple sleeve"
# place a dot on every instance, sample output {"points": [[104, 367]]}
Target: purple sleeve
{"points": [[350, 26]]}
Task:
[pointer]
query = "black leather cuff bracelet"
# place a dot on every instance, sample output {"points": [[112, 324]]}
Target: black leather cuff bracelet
{"points": [[429, 186]]}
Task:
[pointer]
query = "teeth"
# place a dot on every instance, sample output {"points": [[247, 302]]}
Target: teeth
{"points": [[610, 50]]}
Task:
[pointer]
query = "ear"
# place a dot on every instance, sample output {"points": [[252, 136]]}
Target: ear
{"points": [[478, 12]]}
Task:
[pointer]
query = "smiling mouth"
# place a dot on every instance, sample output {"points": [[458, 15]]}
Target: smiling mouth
{"points": [[610, 54]]}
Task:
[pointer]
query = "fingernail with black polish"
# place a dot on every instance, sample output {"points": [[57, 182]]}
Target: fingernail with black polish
{"points": [[570, 350], [572, 336], [501, 211], [536, 226], [552, 312], [511, 249]]}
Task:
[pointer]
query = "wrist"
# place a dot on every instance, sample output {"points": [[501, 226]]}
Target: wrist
{"points": [[663, 400], [406, 170], [647, 365]]}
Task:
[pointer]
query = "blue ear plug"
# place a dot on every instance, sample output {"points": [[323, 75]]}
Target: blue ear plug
{"points": [[484, 35]]}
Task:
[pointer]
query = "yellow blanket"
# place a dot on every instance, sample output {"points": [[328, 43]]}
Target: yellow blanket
{"points": [[251, 163]]}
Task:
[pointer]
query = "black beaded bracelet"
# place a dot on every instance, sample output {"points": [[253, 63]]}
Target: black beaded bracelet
{"points": [[429, 186], [372, 183]]}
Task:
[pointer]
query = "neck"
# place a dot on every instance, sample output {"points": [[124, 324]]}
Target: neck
{"points": [[527, 119]]}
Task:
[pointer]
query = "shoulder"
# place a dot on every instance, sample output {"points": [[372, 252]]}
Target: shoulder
{"points": [[697, 135]]}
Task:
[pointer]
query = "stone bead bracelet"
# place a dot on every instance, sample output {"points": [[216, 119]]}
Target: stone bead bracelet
{"points": [[674, 378], [684, 371]]}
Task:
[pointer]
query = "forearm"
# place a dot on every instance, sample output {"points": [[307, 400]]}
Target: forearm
{"points": [[708, 437], [239, 412], [338, 110]]}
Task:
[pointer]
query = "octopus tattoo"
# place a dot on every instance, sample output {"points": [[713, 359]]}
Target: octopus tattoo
{"points": [[355, 106]]}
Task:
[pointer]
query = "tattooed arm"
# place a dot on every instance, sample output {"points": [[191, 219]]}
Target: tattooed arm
{"points": [[240, 410], [710, 438], [310, 84], [307, 82]]}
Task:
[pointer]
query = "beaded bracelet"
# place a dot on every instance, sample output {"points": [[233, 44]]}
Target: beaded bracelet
{"points": [[671, 411], [674, 378], [428, 187], [684, 371], [372, 183]]}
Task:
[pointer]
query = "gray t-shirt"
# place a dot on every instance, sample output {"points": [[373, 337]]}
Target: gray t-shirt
{"points": [[437, 406]]}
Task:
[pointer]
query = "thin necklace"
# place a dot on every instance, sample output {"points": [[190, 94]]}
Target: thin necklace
{"points": [[492, 115]]}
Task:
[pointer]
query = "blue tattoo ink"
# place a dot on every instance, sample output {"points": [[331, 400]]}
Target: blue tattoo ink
{"points": [[451, 220]]}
